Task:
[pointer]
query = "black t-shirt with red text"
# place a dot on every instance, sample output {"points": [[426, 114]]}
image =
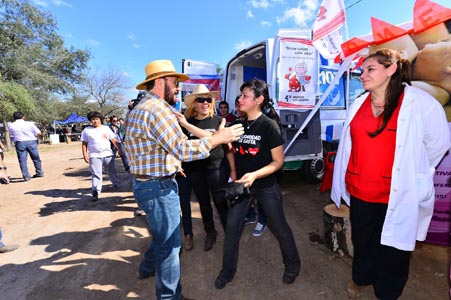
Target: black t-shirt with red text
{"points": [[253, 149]]}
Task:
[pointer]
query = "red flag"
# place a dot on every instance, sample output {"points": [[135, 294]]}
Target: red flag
{"points": [[354, 45], [384, 32], [427, 14]]}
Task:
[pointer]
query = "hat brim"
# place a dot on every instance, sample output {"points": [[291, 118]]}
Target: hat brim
{"points": [[190, 98], [181, 77]]}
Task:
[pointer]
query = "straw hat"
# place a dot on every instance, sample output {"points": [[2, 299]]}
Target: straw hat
{"points": [[200, 90], [160, 68]]}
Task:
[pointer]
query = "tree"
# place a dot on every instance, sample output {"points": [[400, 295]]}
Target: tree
{"points": [[106, 87], [32, 54], [13, 97]]}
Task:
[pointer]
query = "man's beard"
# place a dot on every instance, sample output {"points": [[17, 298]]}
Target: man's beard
{"points": [[169, 95]]}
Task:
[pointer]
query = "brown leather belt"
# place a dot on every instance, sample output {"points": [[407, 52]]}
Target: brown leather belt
{"points": [[148, 177]]}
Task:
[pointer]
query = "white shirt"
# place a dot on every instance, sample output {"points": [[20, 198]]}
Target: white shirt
{"points": [[23, 130], [98, 140]]}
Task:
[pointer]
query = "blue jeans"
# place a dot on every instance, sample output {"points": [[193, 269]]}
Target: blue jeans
{"points": [[185, 203], [23, 149], [1, 243], [270, 200], [160, 201]]}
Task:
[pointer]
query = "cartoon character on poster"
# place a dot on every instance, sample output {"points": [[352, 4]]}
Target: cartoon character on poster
{"points": [[298, 79]]}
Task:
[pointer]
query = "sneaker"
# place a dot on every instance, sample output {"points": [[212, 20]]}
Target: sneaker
{"points": [[248, 221], [8, 248], [259, 229], [95, 196], [139, 212]]}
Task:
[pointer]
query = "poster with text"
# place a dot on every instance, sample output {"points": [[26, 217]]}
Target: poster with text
{"points": [[440, 228], [298, 74]]}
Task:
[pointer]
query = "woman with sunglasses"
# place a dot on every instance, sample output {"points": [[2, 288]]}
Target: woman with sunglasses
{"points": [[258, 156], [205, 175]]}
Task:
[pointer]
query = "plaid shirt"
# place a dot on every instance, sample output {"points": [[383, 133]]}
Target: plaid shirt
{"points": [[154, 142]]}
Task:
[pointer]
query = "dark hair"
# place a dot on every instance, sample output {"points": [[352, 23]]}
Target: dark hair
{"points": [[135, 102], [18, 115], [260, 88], [223, 102], [395, 88], [94, 114]]}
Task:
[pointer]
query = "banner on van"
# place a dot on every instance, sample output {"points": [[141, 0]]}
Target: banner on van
{"points": [[200, 72], [297, 73]]}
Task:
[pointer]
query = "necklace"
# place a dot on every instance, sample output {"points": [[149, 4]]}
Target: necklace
{"points": [[250, 123], [378, 109]]}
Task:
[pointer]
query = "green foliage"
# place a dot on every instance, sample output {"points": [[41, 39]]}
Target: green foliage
{"points": [[14, 97], [34, 64]]}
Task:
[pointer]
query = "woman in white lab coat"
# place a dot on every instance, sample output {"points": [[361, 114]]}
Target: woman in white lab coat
{"points": [[393, 138]]}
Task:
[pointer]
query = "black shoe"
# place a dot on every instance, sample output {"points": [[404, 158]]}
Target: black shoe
{"points": [[95, 196], [220, 282], [210, 240], [289, 278], [141, 275], [26, 179], [38, 175]]}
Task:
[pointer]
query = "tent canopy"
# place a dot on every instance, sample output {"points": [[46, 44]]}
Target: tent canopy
{"points": [[73, 118]]}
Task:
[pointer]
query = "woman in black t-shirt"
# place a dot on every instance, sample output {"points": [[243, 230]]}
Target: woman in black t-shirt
{"points": [[206, 175], [258, 156]]}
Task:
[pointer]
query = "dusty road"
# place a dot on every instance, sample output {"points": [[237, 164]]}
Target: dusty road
{"points": [[72, 248]]}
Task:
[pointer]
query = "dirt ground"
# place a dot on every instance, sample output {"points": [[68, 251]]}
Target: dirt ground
{"points": [[72, 248]]}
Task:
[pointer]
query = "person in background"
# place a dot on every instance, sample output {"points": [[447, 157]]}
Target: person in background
{"points": [[96, 149], [26, 136], [4, 179], [2, 150], [258, 156], [118, 131], [224, 112], [157, 145], [394, 136], [206, 175]]}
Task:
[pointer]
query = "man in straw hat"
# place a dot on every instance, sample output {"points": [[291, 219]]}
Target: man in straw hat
{"points": [[156, 146]]}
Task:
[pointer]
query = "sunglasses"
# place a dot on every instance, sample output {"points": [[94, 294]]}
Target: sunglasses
{"points": [[202, 100]]}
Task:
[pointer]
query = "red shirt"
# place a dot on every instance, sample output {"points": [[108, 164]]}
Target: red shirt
{"points": [[368, 176]]}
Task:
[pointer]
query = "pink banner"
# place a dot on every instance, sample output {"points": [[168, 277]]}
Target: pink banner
{"points": [[440, 228]]}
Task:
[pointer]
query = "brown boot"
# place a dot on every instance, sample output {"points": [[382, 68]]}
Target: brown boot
{"points": [[189, 242], [354, 291]]}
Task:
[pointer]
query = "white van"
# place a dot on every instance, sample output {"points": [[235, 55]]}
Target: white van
{"points": [[307, 131]]}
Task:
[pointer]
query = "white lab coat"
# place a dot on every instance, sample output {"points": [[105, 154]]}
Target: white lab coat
{"points": [[422, 139]]}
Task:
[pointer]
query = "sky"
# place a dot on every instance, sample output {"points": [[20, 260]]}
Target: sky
{"points": [[129, 34]]}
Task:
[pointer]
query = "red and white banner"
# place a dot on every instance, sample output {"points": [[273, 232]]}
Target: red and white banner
{"points": [[297, 73], [327, 29]]}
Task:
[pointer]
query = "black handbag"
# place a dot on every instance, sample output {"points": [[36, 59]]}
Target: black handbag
{"points": [[231, 193]]}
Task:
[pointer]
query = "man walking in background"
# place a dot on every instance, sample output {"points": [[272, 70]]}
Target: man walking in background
{"points": [[26, 136]]}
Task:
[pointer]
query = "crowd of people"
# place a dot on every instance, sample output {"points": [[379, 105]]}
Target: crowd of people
{"points": [[393, 138]]}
